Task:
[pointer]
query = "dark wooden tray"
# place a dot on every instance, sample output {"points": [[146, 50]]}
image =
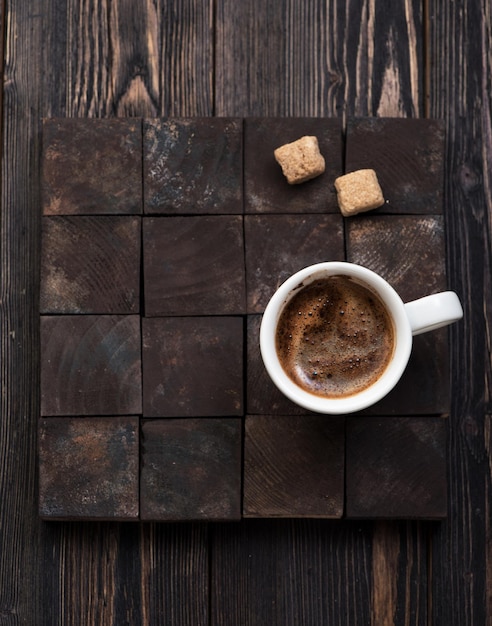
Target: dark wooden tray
{"points": [[162, 242]]}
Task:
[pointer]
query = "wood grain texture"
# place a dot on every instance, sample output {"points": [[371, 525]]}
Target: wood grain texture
{"points": [[175, 583], [90, 264], [294, 466], [107, 573], [104, 58], [461, 85], [318, 572], [20, 547], [407, 156], [400, 574], [287, 573], [150, 59], [75, 574], [203, 270], [90, 365], [325, 59], [359, 57]]}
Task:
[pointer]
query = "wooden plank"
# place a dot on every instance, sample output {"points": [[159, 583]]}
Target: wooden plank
{"points": [[191, 469], [399, 573], [290, 572], [90, 264], [294, 466], [193, 166], [89, 468], [108, 555], [319, 59], [204, 269], [192, 366], [460, 79], [175, 574], [91, 365], [114, 573], [127, 60], [21, 562], [315, 571]]}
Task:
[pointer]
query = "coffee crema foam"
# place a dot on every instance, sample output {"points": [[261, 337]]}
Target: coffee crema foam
{"points": [[335, 337]]}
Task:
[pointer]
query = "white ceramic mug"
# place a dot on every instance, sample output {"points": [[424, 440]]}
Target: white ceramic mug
{"points": [[408, 319]]}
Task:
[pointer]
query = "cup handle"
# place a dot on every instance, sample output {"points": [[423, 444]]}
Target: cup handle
{"points": [[434, 311]]}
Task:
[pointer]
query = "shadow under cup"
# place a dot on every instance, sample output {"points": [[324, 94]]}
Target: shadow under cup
{"points": [[371, 394]]}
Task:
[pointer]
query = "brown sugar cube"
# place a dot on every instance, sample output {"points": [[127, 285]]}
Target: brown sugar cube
{"points": [[300, 160], [358, 191]]}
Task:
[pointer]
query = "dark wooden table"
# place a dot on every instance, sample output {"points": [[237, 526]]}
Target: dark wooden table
{"points": [[107, 58]]}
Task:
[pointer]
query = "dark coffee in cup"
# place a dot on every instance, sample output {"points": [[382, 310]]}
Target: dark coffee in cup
{"points": [[335, 337]]}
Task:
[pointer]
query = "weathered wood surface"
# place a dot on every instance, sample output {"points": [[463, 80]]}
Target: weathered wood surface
{"points": [[194, 265], [91, 167], [191, 469], [104, 58], [210, 383], [265, 188], [407, 157], [90, 365], [193, 166], [396, 467], [294, 466], [90, 264], [89, 468]]}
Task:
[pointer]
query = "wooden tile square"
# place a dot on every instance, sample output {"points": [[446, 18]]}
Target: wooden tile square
{"points": [[88, 468], [90, 365], [90, 264], [194, 265], [191, 469], [262, 396], [92, 166], [192, 366], [266, 189], [280, 245], [193, 166], [396, 467], [409, 252], [294, 466], [408, 157]]}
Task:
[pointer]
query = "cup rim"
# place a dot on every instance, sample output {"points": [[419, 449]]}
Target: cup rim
{"points": [[366, 397]]}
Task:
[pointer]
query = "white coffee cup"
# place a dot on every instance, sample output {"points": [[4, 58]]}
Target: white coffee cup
{"points": [[412, 318]]}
